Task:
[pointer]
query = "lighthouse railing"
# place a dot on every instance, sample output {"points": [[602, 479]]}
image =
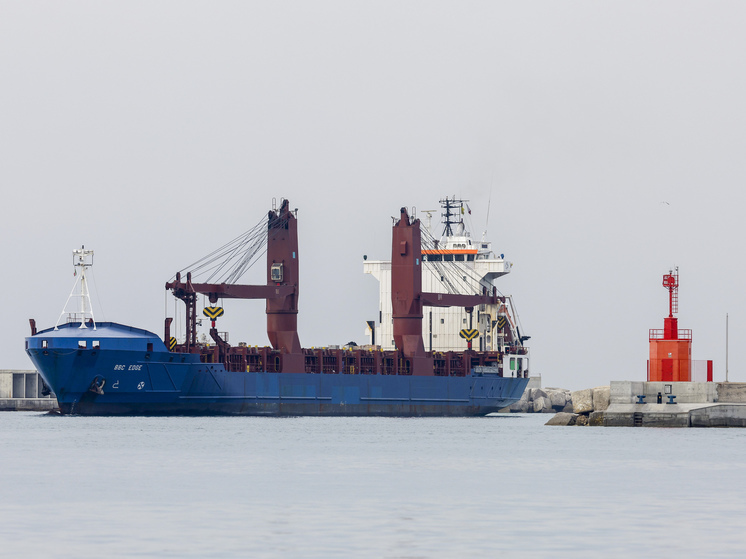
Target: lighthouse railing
{"points": [[658, 334]]}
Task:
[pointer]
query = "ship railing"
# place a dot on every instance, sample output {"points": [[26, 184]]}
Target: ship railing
{"points": [[75, 317], [487, 370], [333, 360], [371, 361]]}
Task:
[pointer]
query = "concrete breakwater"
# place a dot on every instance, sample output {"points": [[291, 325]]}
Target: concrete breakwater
{"points": [[542, 400], [659, 404], [573, 407], [587, 407], [24, 391]]}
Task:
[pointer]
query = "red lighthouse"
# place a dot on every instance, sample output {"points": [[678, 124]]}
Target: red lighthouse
{"points": [[670, 348]]}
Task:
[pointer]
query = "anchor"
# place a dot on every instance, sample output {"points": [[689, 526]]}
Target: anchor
{"points": [[97, 385]]}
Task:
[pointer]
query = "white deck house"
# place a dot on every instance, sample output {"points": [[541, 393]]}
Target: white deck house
{"points": [[454, 264]]}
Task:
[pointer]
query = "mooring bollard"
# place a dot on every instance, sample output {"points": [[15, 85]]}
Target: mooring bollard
{"points": [[641, 398], [671, 398]]}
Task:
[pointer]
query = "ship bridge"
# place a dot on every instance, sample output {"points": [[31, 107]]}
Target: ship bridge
{"points": [[454, 263]]}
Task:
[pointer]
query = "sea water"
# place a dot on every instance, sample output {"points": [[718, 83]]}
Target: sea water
{"points": [[503, 485]]}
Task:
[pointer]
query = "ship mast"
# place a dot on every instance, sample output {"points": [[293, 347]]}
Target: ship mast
{"points": [[453, 208], [448, 205], [82, 260]]}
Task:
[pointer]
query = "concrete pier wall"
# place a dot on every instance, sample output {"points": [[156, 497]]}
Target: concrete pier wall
{"points": [[697, 404], [21, 384], [23, 391], [719, 415], [731, 392], [626, 392], [6, 385], [692, 404]]}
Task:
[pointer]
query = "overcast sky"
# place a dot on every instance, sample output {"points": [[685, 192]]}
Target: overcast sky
{"points": [[609, 136]]}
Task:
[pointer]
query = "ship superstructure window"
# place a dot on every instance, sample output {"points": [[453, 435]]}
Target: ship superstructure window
{"points": [[448, 257], [44, 344], [82, 344], [459, 258], [150, 346], [275, 273], [96, 344], [470, 257]]}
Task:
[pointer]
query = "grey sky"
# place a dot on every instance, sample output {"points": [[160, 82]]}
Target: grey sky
{"points": [[153, 132]]}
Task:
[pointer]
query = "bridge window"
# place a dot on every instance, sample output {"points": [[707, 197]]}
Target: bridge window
{"points": [[459, 257], [276, 272]]}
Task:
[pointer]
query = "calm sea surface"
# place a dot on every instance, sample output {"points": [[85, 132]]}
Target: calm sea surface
{"points": [[366, 487]]}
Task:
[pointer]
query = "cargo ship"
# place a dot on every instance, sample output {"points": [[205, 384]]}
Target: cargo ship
{"points": [[107, 368]]}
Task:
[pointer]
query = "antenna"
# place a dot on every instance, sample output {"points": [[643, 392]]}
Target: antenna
{"points": [[726, 347], [487, 222], [82, 260], [671, 282]]}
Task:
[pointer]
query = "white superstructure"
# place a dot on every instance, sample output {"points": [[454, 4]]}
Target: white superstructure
{"points": [[453, 264]]}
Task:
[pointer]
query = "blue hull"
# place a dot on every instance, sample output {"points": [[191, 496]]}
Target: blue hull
{"points": [[138, 376]]}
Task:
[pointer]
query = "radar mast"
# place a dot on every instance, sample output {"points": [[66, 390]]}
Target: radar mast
{"points": [[82, 260], [453, 215]]}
